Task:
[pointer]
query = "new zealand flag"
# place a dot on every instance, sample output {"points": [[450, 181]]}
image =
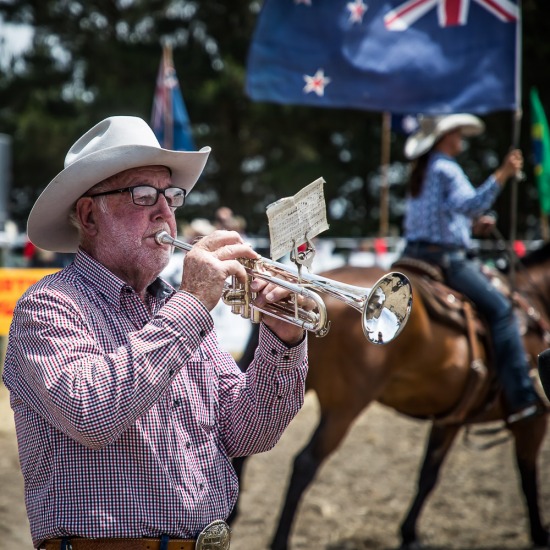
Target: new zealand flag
{"points": [[415, 56]]}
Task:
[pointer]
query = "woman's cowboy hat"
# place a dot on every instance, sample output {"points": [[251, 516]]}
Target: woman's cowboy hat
{"points": [[111, 146], [432, 128]]}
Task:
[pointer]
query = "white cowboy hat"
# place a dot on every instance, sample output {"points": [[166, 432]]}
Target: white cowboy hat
{"points": [[432, 128], [111, 146]]}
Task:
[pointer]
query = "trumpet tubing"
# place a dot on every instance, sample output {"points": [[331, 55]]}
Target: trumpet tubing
{"points": [[384, 308]]}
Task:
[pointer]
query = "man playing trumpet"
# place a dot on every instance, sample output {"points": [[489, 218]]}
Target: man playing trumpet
{"points": [[126, 409]]}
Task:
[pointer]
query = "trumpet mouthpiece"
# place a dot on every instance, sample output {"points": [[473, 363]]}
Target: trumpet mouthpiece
{"points": [[162, 237]]}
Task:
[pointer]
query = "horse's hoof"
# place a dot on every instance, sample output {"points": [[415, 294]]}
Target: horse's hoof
{"points": [[415, 545]]}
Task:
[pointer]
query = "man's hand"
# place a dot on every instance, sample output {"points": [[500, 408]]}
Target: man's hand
{"points": [[269, 293], [211, 261]]}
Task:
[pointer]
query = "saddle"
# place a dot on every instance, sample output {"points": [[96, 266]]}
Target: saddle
{"points": [[443, 304], [451, 308]]}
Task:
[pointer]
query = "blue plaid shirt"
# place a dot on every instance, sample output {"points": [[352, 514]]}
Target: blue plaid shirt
{"points": [[127, 413], [443, 211]]}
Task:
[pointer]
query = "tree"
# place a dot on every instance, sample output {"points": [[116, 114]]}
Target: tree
{"points": [[91, 59]]}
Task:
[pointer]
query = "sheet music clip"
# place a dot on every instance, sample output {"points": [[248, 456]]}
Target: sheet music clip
{"points": [[303, 254]]}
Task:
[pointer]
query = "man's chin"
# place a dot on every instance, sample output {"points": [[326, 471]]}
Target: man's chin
{"points": [[164, 259]]}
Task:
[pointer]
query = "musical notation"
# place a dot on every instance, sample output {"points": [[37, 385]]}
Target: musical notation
{"points": [[294, 220]]}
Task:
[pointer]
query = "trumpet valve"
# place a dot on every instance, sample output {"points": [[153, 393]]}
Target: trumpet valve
{"points": [[240, 298], [235, 298]]}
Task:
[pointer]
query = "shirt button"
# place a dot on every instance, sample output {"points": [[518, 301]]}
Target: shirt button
{"points": [[170, 372], [286, 357], [202, 333], [188, 445], [176, 402], [273, 352], [201, 486]]}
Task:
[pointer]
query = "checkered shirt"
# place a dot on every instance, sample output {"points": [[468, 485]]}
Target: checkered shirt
{"points": [[127, 413]]}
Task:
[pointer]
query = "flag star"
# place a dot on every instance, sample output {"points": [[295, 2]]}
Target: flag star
{"points": [[356, 11], [316, 83], [306, 2], [410, 124]]}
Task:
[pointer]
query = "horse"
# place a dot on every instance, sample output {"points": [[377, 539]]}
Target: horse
{"points": [[427, 372]]}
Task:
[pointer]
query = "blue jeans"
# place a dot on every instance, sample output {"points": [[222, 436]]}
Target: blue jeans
{"points": [[464, 275]]}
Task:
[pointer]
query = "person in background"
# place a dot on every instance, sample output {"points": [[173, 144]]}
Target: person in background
{"points": [[196, 229], [224, 218], [36, 257], [127, 411], [441, 207]]}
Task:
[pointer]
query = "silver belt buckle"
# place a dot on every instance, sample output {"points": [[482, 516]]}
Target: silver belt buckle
{"points": [[215, 536]]}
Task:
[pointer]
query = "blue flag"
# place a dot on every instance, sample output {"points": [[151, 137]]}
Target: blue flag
{"points": [[415, 56], [169, 119]]}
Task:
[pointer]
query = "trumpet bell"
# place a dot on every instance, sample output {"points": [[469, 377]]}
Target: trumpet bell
{"points": [[387, 308]]}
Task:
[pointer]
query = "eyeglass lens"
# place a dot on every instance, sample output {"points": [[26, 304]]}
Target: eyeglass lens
{"points": [[146, 195]]}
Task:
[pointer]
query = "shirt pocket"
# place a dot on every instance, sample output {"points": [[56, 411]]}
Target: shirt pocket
{"points": [[201, 388]]}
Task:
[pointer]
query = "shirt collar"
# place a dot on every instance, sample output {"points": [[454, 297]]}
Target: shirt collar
{"points": [[108, 284], [439, 154]]}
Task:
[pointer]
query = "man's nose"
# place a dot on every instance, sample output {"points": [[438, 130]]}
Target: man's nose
{"points": [[162, 208]]}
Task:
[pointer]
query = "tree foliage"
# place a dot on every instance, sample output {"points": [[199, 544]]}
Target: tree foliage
{"points": [[90, 59]]}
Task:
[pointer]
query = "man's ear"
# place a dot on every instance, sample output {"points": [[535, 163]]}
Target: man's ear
{"points": [[85, 213]]}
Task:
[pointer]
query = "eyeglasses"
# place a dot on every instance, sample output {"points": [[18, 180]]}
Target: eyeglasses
{"points": [[147, 195]]}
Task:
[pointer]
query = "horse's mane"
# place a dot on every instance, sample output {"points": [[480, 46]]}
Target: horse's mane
{"points": [[536, 256]]}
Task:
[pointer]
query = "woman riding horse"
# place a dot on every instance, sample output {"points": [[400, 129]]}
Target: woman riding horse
{"points": [[440, 208]]}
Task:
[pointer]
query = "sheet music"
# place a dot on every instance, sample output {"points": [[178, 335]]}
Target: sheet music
{"points": [[293, 220]]}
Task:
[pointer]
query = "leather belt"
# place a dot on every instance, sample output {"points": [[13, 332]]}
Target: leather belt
{"points": [[435, 247], [215, 536], [118, 544]]}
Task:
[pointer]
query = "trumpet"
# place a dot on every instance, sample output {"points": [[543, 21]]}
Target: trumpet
{"points": [[384, 308]]}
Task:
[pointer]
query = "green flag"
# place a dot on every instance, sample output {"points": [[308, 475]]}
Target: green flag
{"points": [[541, 150]]}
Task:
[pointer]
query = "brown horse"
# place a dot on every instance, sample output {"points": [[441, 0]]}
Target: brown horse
{"points": [[425, 373]]}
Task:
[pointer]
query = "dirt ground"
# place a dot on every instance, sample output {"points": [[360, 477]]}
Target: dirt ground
{"points": [[360, 495]]}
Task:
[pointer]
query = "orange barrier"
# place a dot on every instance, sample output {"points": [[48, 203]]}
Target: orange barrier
{"points": [[13, 283]]}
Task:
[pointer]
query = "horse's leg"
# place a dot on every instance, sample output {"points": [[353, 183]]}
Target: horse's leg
{"points": [[529, 435], [439, 442], [326, 438]]}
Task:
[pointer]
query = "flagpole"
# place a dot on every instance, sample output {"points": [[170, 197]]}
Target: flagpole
{"points": [[168, 123], [545, 233], [516, 122], [384, 165]]}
